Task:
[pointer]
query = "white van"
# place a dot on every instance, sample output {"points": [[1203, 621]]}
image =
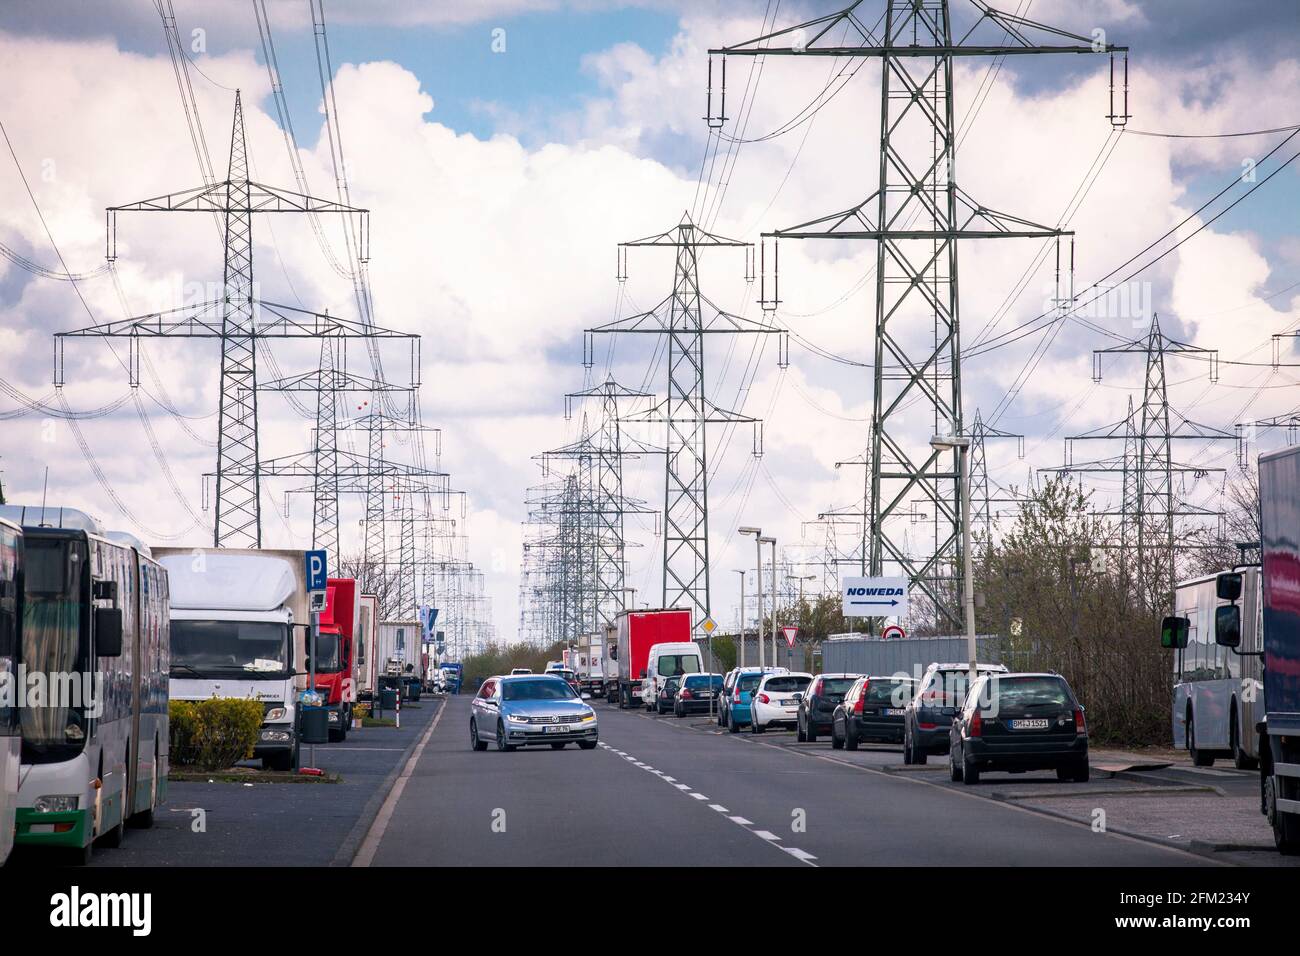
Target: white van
{"points": [[665, 661]]}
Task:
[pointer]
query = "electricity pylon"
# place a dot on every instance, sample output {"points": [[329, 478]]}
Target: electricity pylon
{"points": [[916, 216], [685, 317], [981, 501], [234, 320], [1151, 504]]}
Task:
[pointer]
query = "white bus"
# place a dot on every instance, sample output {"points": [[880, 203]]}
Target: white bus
{"points": [[95, 624], [11, 580], [1218, 692]]}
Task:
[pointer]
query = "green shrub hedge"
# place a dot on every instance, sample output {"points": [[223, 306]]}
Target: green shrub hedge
{"points": [[213, 734]]}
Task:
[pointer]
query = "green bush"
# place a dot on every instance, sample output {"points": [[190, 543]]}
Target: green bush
{"points": [[213, 734]]}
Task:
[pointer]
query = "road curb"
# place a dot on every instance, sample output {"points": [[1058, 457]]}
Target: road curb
{"points": [[351, 844]]}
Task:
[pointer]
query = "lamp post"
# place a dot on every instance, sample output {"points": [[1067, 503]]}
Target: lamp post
{"points": [[801, 578], [961, 444], [741, 659], [772, 542], [758, 548]]}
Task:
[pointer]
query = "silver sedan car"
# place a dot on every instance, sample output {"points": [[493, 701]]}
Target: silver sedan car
{"points": [[528, 710]]}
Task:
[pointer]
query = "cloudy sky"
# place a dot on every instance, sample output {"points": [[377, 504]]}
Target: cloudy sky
{"points": [[506, 146]]}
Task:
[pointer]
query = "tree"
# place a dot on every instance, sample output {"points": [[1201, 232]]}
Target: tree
{"points": [[1210, 550]]}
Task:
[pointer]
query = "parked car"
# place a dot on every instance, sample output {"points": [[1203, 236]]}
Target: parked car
{"points": [[929, 715], [1019, 722], [819, 702], [724, 696], [742, 692], [872, 710], [567, 675], [776, 701], [697, 694], [667, 695], [525, 710]]}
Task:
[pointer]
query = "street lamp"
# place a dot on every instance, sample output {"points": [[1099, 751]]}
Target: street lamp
{"points": [[758, 547], [772, 542], [742, 618], [961, 444]]}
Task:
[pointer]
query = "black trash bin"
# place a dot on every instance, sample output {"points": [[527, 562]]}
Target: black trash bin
{"points": [[388, 699], [314, 727]]}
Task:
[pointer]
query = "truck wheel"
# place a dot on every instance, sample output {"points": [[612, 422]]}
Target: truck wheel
{"points": [[1286, 826]]}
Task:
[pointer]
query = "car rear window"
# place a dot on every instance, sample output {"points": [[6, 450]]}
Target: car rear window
{"points": [[886, 691], [787, 685], [703, 681], [837, 685], [1030, 691], [748, 681], [674, 665]]}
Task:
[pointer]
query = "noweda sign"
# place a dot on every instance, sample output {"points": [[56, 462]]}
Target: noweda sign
{"points": [[874, 597]]}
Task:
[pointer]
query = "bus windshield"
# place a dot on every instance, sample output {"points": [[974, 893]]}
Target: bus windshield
{"points": [[257, 649], [54, 643]]}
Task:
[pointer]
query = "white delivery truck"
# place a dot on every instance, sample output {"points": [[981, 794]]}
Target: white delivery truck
{"points": [[399, 657], [237, 617], [589, 664]]}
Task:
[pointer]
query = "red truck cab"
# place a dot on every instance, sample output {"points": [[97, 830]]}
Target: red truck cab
{"points": [[335, 654]]}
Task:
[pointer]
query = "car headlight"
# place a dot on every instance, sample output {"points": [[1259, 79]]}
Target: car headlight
{"points": [[57, 803], [274, 714], [517, 718], [587, 717]]}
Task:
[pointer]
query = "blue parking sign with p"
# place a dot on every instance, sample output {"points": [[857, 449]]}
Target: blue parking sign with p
{"points": [[316, 571]]}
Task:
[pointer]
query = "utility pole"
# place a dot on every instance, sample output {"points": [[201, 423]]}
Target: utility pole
{"points": [[685, 317], [916, 217], [740, 661], [234, 319]]}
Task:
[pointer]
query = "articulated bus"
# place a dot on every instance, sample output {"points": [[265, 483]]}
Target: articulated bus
{"points": [[1218, 694], [11, 596], [94, 631]]}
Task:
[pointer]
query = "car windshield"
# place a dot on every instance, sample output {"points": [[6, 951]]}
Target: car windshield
{"points": [[540, 689], [887, 691], [675, 665], [1019, 692], [248, 647], [787, 684], [703, 680], [837, 685]]}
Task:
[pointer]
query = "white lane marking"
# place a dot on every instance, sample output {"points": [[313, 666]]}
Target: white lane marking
{"points": [[366, 852], [767, 836]]}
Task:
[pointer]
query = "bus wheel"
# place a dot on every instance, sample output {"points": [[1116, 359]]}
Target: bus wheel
{"points": [[1200, 758], [1240, 759]]}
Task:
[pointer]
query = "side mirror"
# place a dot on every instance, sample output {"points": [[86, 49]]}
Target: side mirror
{"points": [[1227, 624], [108, 631], [1227, 586], [1173, 632]]}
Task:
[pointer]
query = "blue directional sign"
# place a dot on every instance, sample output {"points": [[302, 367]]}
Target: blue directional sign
{"points": [[428, 617], [316, 571], [874, 597]]}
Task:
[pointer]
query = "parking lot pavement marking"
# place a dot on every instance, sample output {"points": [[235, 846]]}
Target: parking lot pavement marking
{"points": [[719, 807]]}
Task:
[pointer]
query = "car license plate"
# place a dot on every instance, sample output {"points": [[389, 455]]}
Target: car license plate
{"points": [[1035, 723], [893, 712], [558, 729]]}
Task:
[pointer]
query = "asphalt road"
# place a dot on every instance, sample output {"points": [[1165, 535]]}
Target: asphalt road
{"points": [[661, 792]]}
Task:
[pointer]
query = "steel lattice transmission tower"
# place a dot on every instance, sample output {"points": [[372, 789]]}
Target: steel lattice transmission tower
{"points": [[981, 500], [1151, 501], [238, 508], [685, 317], [917, 216]]}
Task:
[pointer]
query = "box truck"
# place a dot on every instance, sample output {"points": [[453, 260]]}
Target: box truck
{"points": [[335, 653], [399, 657], [239, 630], [638, 631], [367, 653], [589, 664]]}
